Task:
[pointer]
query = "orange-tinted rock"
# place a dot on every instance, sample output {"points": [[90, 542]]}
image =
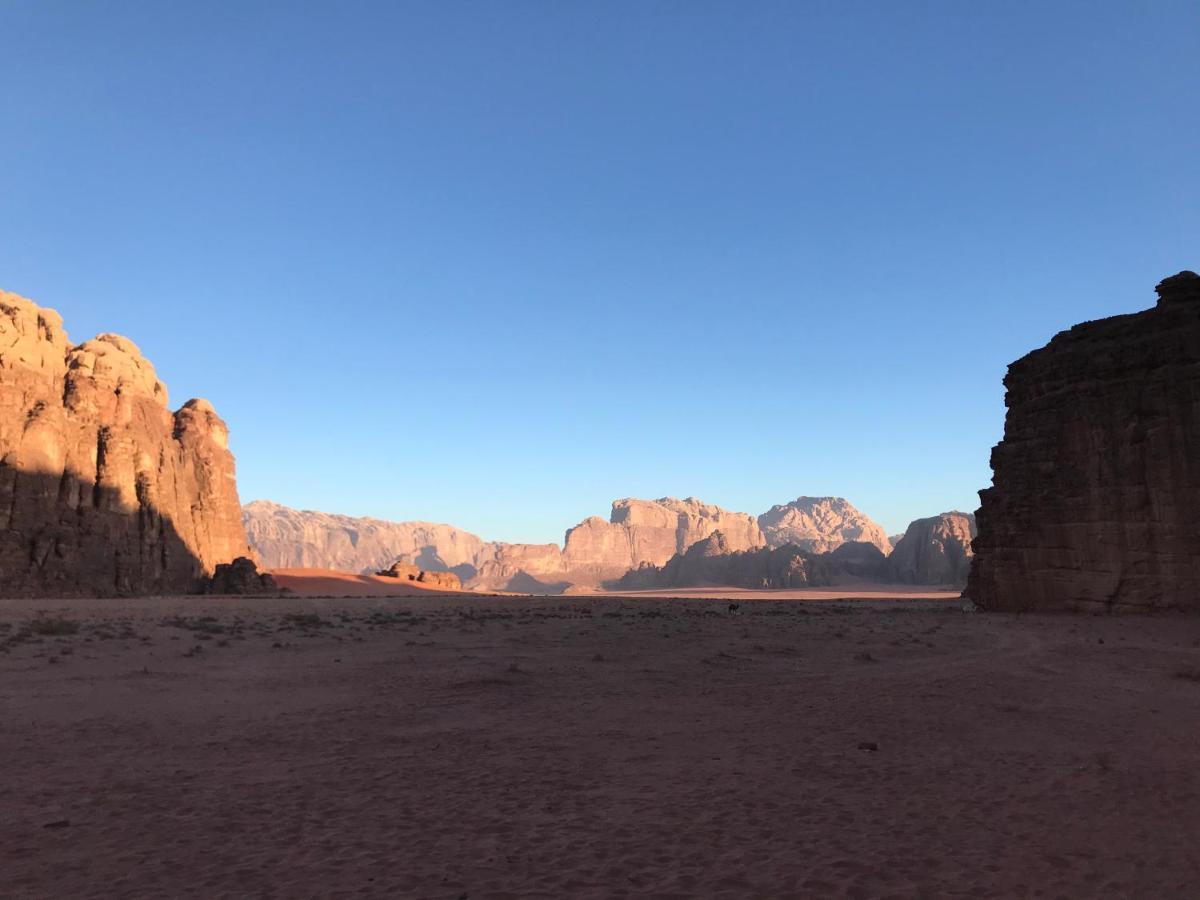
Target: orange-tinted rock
{"points": [[446, 580], [408, 572], [1095, 503], [103, 490], [402, 570]]}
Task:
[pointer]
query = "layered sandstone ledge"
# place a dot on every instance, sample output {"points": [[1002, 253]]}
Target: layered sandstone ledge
{"points": [[1096, 496], [104, 490]]}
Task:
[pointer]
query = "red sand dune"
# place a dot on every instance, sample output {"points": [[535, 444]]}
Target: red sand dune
{"points": [[332, 583]]}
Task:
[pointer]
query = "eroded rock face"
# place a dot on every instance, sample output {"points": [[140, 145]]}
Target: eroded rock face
{"points": [[408, 572], [445, 580], [241, 577], [713, 562], [820, 525], [523, 568], [649, 532], [638, 532], [933, 551], [286, 538], [103, 490], [401, 570], [1095, 503]]}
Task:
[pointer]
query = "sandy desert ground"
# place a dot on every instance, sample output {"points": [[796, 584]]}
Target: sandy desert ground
{"points": [[592, 747]]}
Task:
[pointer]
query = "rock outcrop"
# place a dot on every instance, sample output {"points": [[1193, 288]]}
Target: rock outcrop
{"points": [[103, 490], [445, 580], [713, 562], [857, 560], [408, 572], [1095, 503], [241, 577], [402, 570], [936, 550], [819, 525]]}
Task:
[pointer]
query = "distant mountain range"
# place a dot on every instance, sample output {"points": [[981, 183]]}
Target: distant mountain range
{"points": [[643, 543]]}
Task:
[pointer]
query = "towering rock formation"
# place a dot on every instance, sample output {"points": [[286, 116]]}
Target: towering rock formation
{"points": [[1096, 496], [819, 524], [936, 550], [103, 490]]}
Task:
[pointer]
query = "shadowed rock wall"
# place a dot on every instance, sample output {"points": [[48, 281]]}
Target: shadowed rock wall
{"points": [[1095, 503], [936, 550]]}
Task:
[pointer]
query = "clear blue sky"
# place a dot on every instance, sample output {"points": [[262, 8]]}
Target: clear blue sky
{"points": [[497, 264]]}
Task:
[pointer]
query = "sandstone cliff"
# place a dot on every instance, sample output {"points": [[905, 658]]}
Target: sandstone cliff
{"points": [[936, 550], [649, 532], [103, 490], [286, 538], [1095, 503], [597, 553], [713, 562], [637, 532], [820, 524]]}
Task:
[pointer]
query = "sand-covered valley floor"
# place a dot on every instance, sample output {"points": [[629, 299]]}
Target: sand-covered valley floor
{"points": [[452, 747]]}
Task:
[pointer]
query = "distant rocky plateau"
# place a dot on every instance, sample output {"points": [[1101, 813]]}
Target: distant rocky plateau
{"points": [[594, 552], [103, 489], [644, 544], [820, 525], [1095, 503]]}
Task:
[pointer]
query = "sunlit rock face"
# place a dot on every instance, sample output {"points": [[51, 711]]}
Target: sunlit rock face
{"points": [[104, 490], [1095, 503], [638, 532], [934, 551], [650, 532], [286, 538], [820, 525]]}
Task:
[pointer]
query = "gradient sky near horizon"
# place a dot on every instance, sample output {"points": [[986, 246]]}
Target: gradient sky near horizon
{"points": [[497, 264]]}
